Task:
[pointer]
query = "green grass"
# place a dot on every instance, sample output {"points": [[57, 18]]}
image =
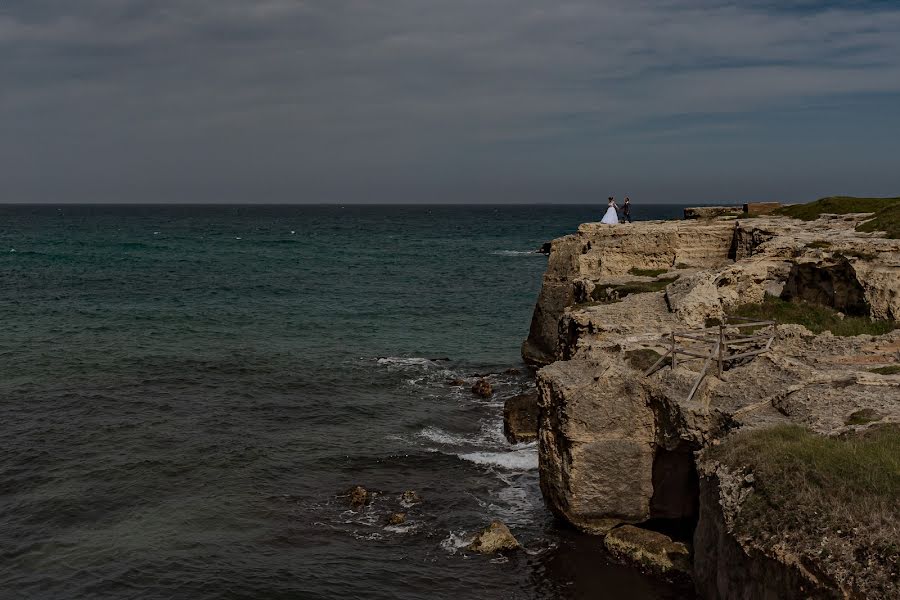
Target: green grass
{"points": [[863, 416], [643, 358], [814, 317], [889, 370], [682, 266], [887, 220], [647, 272], [819, 244], [613, 292], [838, 205], [806, 484]]}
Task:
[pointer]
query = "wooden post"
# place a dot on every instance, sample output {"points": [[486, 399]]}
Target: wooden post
{"points": [[674, 352], [721, 348]]}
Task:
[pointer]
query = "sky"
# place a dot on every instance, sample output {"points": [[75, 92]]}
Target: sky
{"points": [[447, 100]]}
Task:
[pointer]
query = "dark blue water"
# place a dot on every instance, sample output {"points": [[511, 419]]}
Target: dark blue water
{"points": [[186, 393]]}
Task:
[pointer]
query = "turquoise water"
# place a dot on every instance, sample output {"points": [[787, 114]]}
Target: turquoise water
{"points": [[186, 392]]}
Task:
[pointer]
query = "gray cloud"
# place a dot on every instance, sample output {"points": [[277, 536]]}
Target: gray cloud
{"points": [[403, 100]]}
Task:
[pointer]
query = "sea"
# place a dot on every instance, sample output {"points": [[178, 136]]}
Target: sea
{"points": [[187, 393]]}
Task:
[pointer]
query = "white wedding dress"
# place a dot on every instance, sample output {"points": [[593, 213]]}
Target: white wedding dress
{"points": [[611, 217]]}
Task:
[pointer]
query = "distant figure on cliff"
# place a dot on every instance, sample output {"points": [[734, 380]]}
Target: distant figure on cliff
{"points": [[612, 213], [626, 210]]}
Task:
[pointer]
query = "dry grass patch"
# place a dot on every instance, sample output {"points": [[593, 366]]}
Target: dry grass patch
{"points": [[836, 498]]}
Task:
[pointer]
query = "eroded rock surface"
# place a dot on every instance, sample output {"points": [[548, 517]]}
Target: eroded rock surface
{"points": [[520, 418], [494, 538], [617, 447], [652, 550]]}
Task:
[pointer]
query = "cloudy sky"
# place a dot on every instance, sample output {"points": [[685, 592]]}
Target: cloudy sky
{"points": [[447, 100]]}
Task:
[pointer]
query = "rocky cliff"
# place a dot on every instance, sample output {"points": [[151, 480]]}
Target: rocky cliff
{"points": [[618, 447]]}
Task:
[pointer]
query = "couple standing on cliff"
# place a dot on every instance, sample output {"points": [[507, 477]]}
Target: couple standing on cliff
{"points": [[612, 213]]}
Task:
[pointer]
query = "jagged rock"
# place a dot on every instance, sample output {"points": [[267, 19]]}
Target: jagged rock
{"points": [[410, 497], [650, 549], [397, 518], [712, 212], [483, 388], [520, 418], [616, 447], [359, 497], [494, 538]]}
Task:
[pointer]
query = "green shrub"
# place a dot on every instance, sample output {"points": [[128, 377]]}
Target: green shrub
{"points": [[814, 317], [887, 220], [838, 205], [888, 370]]}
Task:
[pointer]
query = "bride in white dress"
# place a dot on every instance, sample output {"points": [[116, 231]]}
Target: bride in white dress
{"points": [[612, 213]]}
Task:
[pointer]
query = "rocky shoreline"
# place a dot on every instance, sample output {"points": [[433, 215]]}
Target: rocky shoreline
{"points": [[619, 449]]}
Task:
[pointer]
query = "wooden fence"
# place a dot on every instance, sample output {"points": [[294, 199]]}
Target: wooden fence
{"points": [[716, 344]]}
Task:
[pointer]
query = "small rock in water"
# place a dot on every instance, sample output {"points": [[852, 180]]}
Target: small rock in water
{"points": [[397, 518], [457, 382], [410, 497], [483, 388], [359, 497], [652, 550], [513, 371], [494, 538]]}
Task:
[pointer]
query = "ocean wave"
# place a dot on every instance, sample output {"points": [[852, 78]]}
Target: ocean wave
{"points": [[516, 253], [408, 361], [525, 459], [439, 436], [456, 541]]}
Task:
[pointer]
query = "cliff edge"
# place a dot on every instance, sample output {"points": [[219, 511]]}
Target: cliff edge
{"points": [[617, 446]]}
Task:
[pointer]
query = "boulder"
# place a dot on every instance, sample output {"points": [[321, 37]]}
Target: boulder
{"points": [[397, 518], [483, 388], [712, 212], [654, 551], [410, 497], [359, 497], [520, 418], [494, 538]]}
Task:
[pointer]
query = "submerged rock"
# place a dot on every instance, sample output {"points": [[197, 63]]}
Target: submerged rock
{"points": [[512, 371], [494, 538], [650, 549], [397, 518], [520, 418], [483, 388], [359, 497], [410, 497], [457, 382]]}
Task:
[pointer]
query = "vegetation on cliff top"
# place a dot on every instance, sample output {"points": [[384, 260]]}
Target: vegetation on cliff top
{"points": [[814, 317], [887, 220], [835, 496], [837, 205]]}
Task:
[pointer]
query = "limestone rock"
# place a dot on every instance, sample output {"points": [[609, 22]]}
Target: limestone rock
{"points": [[494, 538], [520, 418], [654, 551], [359, 497], [483, 388], [712, 212], [397, 518], [410, 497]]}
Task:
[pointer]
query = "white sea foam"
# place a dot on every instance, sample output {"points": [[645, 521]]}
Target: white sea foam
{"points": [[525, 459], [404, 361], [439, 436], [515, 253], [455, 541]]}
